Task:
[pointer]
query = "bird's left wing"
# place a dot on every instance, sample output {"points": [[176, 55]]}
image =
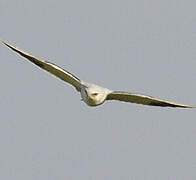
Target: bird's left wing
{"points": [[52, 68], [143, 99]]}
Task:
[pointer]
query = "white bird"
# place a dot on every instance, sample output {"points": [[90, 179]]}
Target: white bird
{"points": [[94, 95]]}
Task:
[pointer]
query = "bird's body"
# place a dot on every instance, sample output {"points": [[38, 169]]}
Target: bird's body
{"points": [[94, 95]]}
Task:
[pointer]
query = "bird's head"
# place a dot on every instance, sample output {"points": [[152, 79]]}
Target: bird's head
{"points": [[94, 95]]}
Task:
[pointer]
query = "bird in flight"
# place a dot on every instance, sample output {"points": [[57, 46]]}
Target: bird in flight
{"points": [[94, 95]]}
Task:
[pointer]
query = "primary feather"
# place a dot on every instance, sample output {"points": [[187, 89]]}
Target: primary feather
{"points": [[143, 99], [52, 68]]}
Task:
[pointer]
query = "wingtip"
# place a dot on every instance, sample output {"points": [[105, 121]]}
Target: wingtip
{"points": [[10, 46], [4, 42], [1, 39], [192, 107], [188, 106]]}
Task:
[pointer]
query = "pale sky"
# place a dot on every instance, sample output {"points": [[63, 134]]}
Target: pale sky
{"points": [[47, 132]]}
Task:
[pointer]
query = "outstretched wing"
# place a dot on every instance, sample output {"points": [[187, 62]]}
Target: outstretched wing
{"points": [[142, 99], [52, 68]]}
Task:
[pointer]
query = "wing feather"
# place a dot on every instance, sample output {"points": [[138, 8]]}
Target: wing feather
{"points": [[143, 99], [52, 68]]}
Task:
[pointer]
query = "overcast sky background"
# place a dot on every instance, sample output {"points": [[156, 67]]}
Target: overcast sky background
{"points": [[148, 47]]}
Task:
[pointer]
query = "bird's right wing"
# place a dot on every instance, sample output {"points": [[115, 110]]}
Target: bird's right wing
{"points": [[52, 68], [143, 99]]}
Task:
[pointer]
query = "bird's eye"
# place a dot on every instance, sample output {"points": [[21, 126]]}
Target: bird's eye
{"points": [[94, 94]]}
